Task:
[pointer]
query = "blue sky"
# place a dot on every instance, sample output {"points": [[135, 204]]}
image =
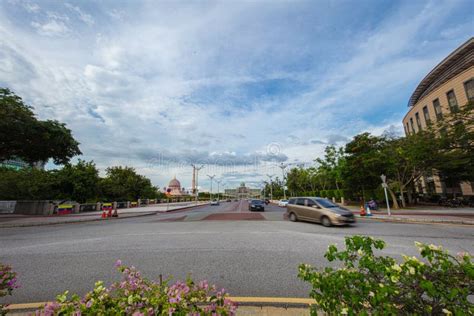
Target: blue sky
{"points": [[239, 86]]}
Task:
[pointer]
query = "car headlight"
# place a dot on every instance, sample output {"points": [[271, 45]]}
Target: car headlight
{"points": [[337, 215]]}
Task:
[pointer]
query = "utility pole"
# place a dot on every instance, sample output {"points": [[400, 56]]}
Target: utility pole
{"points": [[195, 180], [282, 167], [271, 186], [211, 178]]}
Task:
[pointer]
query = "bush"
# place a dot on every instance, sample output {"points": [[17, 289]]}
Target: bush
{"points": [[377, 285], [135, 295], [8, 283]]}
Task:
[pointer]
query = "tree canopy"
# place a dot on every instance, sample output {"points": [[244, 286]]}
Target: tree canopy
{"points": [[23, 136]]}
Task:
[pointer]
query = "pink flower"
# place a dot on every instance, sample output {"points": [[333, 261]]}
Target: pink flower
{"points": [[118, 263]]}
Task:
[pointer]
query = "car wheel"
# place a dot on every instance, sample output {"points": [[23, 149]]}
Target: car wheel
{"points": [[293, 217], [326, 221]]}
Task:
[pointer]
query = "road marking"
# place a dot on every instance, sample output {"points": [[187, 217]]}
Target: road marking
{"points": [[237, 299]]}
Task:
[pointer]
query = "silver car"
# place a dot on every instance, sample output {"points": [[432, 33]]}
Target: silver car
{"points": [[319, 210]]}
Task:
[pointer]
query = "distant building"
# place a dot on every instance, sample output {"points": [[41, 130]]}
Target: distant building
{"points": [[243, 192], [446, 88], [175, 189], [18, 164]]}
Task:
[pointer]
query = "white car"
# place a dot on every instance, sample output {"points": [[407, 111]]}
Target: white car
{"points": [[214, 202], [283, 203]]}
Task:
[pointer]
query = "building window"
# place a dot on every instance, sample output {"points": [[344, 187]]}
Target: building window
{"points": [[452, 102], [469, 87], [426, 114], [437, 108], [412, 125], [407, 129], [418, 122]]}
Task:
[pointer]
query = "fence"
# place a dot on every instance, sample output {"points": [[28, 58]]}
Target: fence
{"points": [[90, 207]]}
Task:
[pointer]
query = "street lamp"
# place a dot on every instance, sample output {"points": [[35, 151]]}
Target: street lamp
{"points": [[282, 167], [211, 178], [218, 191], [271, 186], [385, 186]]}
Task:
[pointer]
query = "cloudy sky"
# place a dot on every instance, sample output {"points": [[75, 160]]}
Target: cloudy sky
{"points": [[238, 86]]}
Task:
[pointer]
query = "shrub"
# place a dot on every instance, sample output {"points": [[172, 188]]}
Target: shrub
{"points": [[8, 282], [136, 295], [377, 285]]}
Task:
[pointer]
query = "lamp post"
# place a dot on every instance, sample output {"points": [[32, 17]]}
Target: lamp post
{"points": [[271, 186], [211, 178], [385, 186], [283, 167], [218, 190]]}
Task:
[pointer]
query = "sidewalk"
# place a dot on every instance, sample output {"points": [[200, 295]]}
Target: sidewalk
{"points": [[17, 220], [422, 214]]}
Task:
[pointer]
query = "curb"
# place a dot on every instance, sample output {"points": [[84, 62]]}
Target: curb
{"points": [[241, 300], [417, 221], [93, 219]]}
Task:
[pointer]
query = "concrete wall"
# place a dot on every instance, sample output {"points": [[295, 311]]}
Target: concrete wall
{"points": [[34, 208]]}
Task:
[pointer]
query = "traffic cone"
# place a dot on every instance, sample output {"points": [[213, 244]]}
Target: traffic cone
{"points": [[362, 211], [104, 214], [369, 213], [115, 214], [110, 213]]}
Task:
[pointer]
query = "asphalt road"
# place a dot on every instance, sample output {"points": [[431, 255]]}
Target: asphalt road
{"points": [[248, 258]]}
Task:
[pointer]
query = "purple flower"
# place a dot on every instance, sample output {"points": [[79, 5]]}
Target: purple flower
{"points": [[118, 263]]}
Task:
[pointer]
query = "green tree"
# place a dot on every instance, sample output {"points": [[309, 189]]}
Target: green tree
{"points": [[23, 136], [365, 162], [332, 165], [79, 182], [123, 183], [456, 145], [26, 184]]}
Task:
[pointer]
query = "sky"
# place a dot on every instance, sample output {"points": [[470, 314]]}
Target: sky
{"points": [[236, 86]]}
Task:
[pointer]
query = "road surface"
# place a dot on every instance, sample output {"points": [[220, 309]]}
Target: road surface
{"points": [[256, 257]]}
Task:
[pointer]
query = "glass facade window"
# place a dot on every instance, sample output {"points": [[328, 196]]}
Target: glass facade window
{"points": [[469, 87], [412, 125], [418, 122], [437, 109], [426, 115], [453, 103]]}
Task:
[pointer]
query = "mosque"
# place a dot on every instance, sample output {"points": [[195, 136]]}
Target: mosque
{"points": [[175, 189]]}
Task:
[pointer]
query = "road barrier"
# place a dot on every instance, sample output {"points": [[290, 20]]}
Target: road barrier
{"points": [[64, 209]]}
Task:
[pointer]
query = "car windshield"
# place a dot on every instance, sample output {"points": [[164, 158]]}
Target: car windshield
{"points": [[256, 202], [326, 203], [284, 200]]}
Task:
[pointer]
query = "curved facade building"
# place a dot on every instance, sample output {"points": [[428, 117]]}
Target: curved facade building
{"points": [[449, 86]]}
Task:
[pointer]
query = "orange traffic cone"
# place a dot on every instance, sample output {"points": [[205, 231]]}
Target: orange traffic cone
{"points": [[104, 214], [110, 212], [362, 211]]}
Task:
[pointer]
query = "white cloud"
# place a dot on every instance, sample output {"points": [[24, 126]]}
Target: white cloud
{"points": [[51, 28], [199, 82], [84, 17]]}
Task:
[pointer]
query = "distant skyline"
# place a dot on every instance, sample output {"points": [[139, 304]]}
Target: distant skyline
{"points": [[237, 86]]}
